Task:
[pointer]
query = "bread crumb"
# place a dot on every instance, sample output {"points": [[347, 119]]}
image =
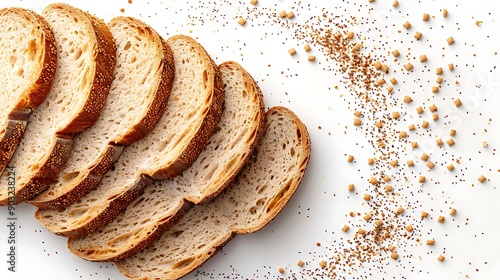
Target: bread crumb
{"points": [[242, 21], [307, 47], [282, 14], [450, 40], [311, 58], [394, 256], [292, 51], [425, 17], [440, 258], [441, 219], [290, 15], [407, 25], [300, 263], [345, 228], [481, 178], [322, 264], [281, 270], [253, 2]]}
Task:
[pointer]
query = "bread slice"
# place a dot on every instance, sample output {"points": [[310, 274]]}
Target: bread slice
{"points": [[193, 110], [28, 57], [137, 99], [257, 195], [238, 132], [86, 58]]}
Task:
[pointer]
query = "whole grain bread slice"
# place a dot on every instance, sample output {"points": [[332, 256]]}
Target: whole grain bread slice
{"points": [[238, 132], [257, 196], [137, 99], [28, 59], [193, 110], [86, 58]]}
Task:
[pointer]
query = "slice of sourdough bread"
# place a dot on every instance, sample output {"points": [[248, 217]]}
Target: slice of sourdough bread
{"points": [[86, 58], [193, 110], [257, 195], [238, 132], [28, 59], [137, 99]]}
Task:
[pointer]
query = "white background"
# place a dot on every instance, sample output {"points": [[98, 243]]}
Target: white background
{"points": [[320, 206]]}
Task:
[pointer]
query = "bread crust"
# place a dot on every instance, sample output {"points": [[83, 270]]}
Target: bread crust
{"points": [[198, 142], [282, 194], [113, 151], [175, 211], [105, 59], [37, 92], [85, 185]]}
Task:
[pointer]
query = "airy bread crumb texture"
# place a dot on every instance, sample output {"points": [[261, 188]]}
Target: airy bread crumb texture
{"points": [[137, 77], [228, 149], [257, 195]]}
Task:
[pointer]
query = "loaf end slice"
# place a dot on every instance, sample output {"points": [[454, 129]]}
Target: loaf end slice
{"points": [[257, 196], [86, 58], [193, 110], [28, 57], [228, 149], [137, 99]]}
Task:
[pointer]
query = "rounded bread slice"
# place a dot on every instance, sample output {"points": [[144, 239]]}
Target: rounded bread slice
{"points": [[257, 196], [28, 56], [137, 99], [194, 108], [228, 149], [86, 58]]}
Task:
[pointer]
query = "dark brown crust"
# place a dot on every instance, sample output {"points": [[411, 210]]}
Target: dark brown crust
{"points": [[83, 187], [159, 103], [11, 138], [115, 207], [198, 142], [34, 95], [105, 59], [48, 171], [156, 233]]}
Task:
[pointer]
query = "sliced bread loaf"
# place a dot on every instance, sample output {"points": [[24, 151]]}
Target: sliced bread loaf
{"points": [[238, 132], [137, 99], [257, 195], [86, 58], [28, 59], [193, 110]]}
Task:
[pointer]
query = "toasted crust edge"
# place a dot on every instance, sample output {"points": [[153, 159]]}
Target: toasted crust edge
{"points": [[231, 233], [105, 60], [34, 95], [198, 142], [85, 185]]}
